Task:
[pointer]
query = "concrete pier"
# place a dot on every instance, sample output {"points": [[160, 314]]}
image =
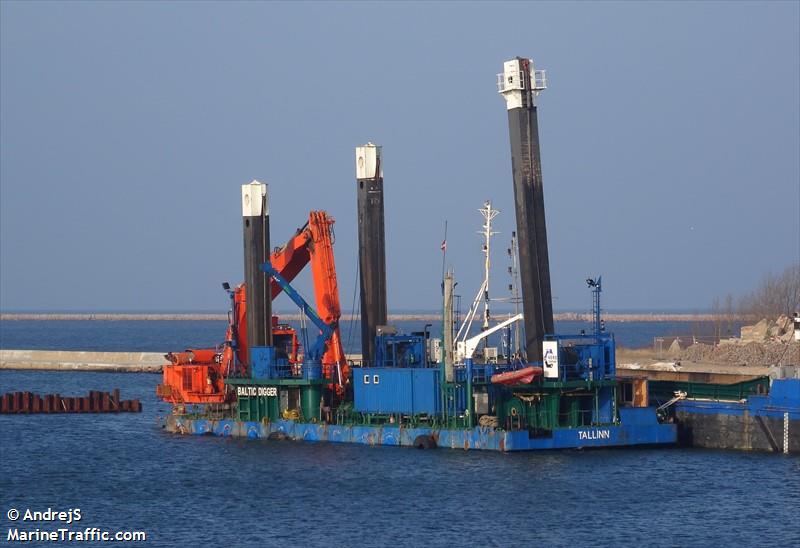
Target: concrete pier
{"points": [[59, 360], [691, 372]]}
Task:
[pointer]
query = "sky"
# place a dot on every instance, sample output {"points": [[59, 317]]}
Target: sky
{"points": [[670, 137]]}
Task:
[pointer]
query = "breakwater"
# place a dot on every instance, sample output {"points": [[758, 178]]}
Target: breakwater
{"points": [[151, 362], [60, 360], [562, 316]]}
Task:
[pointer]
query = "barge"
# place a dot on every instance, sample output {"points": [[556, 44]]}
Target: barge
{"points": [[267, 381]]}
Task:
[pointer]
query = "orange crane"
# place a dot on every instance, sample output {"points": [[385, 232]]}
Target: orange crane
{"points": [[198, 376]]}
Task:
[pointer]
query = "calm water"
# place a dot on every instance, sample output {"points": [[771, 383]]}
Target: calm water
{"points": [[126, 474], [164, 336]]}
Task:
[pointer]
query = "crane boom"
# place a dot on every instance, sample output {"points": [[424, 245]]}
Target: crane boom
{"points": [[206, 369], [313, 243], [467, 348], [326, 330], [464, 329]]}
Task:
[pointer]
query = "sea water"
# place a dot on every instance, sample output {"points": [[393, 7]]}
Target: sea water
{"points": [[124, 473]]}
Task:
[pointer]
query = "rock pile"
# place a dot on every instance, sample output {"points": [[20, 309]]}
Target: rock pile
{"points": [[765, 343], [766, 330]]}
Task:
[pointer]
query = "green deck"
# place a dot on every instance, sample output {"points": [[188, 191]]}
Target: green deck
{"points": [[665, 390]]}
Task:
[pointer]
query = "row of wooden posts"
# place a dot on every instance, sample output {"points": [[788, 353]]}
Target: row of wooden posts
{"points": [[94, 402]]}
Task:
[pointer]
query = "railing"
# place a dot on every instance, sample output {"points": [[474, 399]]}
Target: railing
{"points": [[538, 81], [282, 369]]}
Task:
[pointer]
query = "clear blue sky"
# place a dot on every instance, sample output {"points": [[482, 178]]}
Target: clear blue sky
{"points": [[670, 137]]}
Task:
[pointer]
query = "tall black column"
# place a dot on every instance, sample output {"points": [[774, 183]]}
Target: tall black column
{"points": [[371, 246], [255, 226], [519, 86]]}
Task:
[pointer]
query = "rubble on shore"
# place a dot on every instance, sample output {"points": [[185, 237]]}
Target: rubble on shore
{"points": [[769, 342]]}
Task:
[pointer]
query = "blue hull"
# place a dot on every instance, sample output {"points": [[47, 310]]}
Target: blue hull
{"points": [[758, 423], [782, 401], [640, 428]]}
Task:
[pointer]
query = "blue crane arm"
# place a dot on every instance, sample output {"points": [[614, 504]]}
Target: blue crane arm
{"points": [[318, 348]]}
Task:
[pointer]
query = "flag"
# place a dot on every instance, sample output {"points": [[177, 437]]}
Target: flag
{"points": [[444, 245]]}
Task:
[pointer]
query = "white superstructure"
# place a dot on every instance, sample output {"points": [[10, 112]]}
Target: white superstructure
{"points": [[518, 81]]}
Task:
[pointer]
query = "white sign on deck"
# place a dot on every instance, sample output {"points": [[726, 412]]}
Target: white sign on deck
{"points": [[550, 359]]}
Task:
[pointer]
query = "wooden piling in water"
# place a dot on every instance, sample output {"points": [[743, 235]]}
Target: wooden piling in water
{"points": [[94, 402]]}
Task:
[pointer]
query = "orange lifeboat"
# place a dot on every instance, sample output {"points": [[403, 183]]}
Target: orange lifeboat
{"points": [[520, 376]]}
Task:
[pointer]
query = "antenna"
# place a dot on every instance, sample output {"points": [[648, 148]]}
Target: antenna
{"points": [[597, 287]]}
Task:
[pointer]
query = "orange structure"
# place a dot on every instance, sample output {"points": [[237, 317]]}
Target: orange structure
{"points": [[198, 376]]}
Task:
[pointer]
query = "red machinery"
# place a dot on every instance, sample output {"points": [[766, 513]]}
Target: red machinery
{"points": [[198, 376]]}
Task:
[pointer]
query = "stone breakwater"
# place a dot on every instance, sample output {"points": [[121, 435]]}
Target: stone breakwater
{"points": [[57, 360], [67, 360], [563, 316]]}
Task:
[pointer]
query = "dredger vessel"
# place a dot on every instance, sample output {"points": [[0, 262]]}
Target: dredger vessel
{"points": [[560, 391]]}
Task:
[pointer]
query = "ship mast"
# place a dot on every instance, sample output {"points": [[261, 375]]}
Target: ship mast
{"points": [[488, 214], [482, 295]]}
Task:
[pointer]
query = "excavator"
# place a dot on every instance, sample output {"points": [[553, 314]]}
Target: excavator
{"points": [[197, 376]]}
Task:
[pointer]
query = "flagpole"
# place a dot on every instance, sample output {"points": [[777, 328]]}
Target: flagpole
{"points": [[447, 352]]}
